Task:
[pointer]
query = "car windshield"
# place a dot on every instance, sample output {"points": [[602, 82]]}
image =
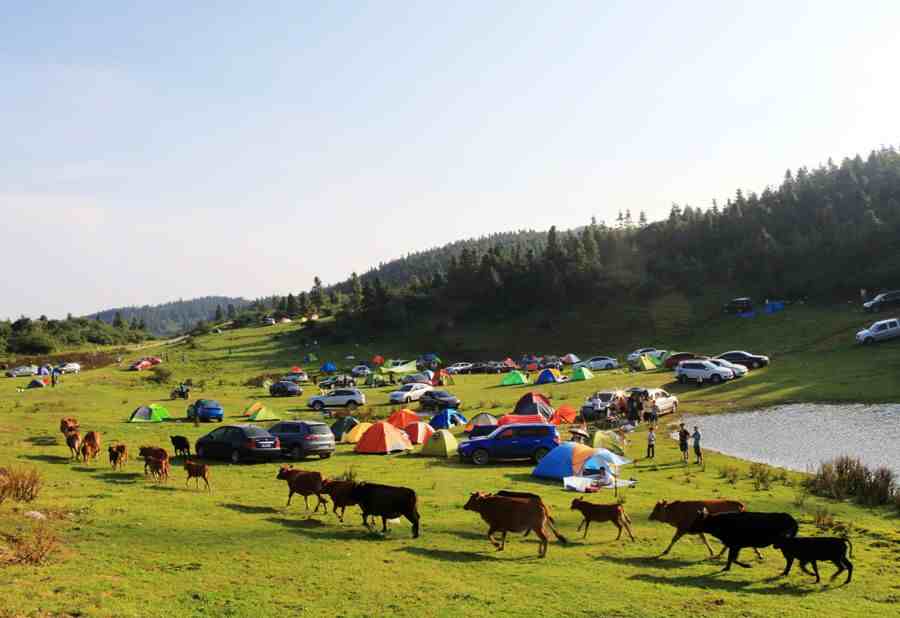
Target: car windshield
{"points": [[406, 388]]}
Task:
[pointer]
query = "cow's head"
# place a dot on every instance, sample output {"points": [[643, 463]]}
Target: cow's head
{"points": [[113, 451], [474, 500], [283, 472], [145, 451], [576, 503], [659, 511]]}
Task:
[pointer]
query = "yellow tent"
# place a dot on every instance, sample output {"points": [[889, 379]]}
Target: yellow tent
{"points": [[646, 363], [608, 440], [253, 408], [355, 435]]}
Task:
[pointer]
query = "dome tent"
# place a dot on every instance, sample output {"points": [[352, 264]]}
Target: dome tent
{"points": [[356, 433], [402, 418], [570, 359], [571, 459], [252, 409], [550, 376], [564, 414], [383, 438], [263, 414], [418, 432], [154, 413], [328, 367], [342, 426], [531, 419], [514, 378], [581, 374], [481, 419], [447, 419], [533, 403], [442, 443]]}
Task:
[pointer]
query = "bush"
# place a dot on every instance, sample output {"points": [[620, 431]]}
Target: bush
{"points": [[30, 546], [30, 343], [19, 484], [730, 473], [762, 476], [160, 374], [847, 477]]}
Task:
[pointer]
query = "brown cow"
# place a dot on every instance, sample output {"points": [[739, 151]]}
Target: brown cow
{"points": [[512, 514], [152, 451], [159, 468], [304, 483], [682, 513], [118, 455], [68, 425], [90, 446], [602, 512], [73, 441], [197, 471], [341, 495]]}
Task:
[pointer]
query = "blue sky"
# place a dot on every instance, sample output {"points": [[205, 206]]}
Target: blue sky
{"points": [[153, 151]]}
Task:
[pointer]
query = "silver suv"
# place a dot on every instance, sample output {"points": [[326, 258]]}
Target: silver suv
{"points": [[879, 331], [349, 398], [702, 370]]}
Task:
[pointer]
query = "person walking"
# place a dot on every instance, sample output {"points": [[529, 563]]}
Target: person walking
{"points": [[683, 436], [697, 451], [651, 443]]}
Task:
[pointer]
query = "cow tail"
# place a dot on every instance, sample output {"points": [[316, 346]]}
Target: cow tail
{"points": [[555, 532], [850, 545]]}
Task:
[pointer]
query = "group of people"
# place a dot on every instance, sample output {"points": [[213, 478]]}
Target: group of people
{"points": [[684, 436]]}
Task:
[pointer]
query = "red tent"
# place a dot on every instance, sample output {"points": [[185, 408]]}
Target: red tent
{"points": [[534, 403], [508, 419], [564, 414], [402, 418], [383, 438], [296, 369], [378, 360], [418, 432]]}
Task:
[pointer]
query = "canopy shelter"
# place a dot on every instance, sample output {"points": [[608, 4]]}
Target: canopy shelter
{"points": [[418, 432], [442, 443], [581, 374], [383, 438], [645, 362], [533, 403], [508, 419], [447, 418], [564, 414], [154, 413], [480, 420], [570, 359], [328, 367], [343, 426], [550, 376], [402, 418], [572, 459], [513, 378], [353, 436]]}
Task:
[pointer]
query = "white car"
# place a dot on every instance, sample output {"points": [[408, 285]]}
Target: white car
{"points": [[338, 398], [408, 392], [360, 371], [662, 401], [70, 368], [634, 356], [702, 371], [879, 331], [597, 363], [739, 370], [459, 368]]}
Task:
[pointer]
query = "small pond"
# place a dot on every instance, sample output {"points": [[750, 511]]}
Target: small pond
{"points": [[800, 436]]}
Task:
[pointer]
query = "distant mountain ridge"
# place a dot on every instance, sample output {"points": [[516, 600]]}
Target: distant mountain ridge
{"points": [[174, 317]]}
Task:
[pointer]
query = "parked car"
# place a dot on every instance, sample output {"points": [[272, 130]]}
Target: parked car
{"points": [[416, 378], [662, 401], [597, 363], [672, 361], [22, 370], [439, 400], [702, 371], [883, 301], [295, 376], [69, 368], [206, 410], [879, 331], [459, 368], [341, 381], [300, 439], [360, 371], [739, 370], [748, 360], [596, 405], [408, 392], [516, 441], [349, 398], [238, 443], [634, 356], [285, 388], [550, 362], [743, 304], [268, 322]]}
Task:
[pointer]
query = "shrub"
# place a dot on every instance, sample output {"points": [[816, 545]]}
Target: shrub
{"points": [[847, 477], [823, 518], [30, 546], [257, 381], [730, 474], [762, 476], [160, 374], [30, 343], [19, 484]]}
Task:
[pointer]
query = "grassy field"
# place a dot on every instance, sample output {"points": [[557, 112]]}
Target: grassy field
{"points": [[130, 547]]}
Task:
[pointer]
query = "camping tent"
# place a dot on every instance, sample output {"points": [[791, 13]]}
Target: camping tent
{"points": [[481, 419], [353, 436], [514, 378], [549, 376], [409, 367], [252, 409], [508, 419], [378, 360], [382, 438], [296, 369], [36, 384], [154, 413], [263, 414], [580, 374], [646, 363], [418, 432], [564, 414], [442, 378], [608, 440], [442, 443], [570, 359], [342, 426], [571, 459], [328, 367], [447, 419], [533, 403], [402, 418]]}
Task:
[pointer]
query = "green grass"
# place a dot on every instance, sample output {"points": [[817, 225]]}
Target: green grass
{"points": [[133, 548]]}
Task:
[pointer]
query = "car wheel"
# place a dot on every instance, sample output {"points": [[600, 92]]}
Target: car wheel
{"points": [[297, 453], [235, 456], [716, 378], [407, 400], [480, 457], [608, 366], [324, 455], [756, 364], [868, 341], [201, 452], [318, 406], [540, 454], [352, 405]]}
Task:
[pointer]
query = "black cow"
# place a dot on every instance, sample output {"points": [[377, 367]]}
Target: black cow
{"points": [[386, 502], [181, 445], [811, 549], [737, 530]]}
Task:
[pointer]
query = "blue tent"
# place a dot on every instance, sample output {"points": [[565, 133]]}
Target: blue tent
{"points": [[447, 419], [547, 376], [571, 459], [328, 367]]}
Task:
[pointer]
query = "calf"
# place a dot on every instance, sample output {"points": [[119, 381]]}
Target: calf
{"points": [[737, 530], [118, 455], [512, 514], [68, 425], [386, 502], [90, 446], [73, 441], [152, 451], [682, 513], [197, 471], [811, 549], [304, 483], [602, 512], [159, 468], [341, 493], [181, 445]]}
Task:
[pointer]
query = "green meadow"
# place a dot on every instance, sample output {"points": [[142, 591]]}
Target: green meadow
{"points": [[128, 546]]}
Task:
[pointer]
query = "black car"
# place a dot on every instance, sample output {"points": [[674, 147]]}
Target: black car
{"points": [[551, 362], [238, 443], [748, 360], [738, 305], [883, 301], [439, 400], [300, 439], [479, 368], [285, 389]]}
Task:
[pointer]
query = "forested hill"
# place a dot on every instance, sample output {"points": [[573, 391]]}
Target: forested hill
{"points": [[175, 317]]}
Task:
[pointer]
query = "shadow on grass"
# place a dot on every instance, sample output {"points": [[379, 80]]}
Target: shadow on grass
{"points": [[119, 478], [249, 508], [448, 555], [713, 581], [54, 459], [654, 562], [43, 441], [157, 487]]}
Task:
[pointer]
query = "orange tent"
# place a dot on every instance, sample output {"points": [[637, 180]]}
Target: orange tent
{"points": [[508, 419], [564, 414], [382, 438], [296, 369], [418, 432], [378, 360], [402, 418]]}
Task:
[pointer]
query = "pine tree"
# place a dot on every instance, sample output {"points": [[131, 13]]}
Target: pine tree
{"points": [[642, 220], [303, 304], [220, 315], [118, 322], [291, 305], [355, 302], [316, 297], [628, 222]]}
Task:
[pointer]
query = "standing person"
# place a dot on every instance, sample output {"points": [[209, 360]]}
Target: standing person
{"points": [[683, 436], [697, 451], [54, 377], [651, 443]]}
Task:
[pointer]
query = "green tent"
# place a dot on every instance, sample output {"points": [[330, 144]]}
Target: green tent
{"points": [[263, 414], [646, 363], [409, 367], [580, 374], [154, 413], [514, 378], [442, 443], [342, 426], [608, 440]]}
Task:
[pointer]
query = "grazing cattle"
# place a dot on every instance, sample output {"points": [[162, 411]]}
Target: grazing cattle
{"points": [[306, 484], [386, 502], [737, 530], [118, 455], [341, 493], [602, 512], [159, 468], [534, 498], [513, 514], [682, 513], [90, 446], [197, 471], [152, 451], [73, 441], [181, 445], [68, 425], [811, 549]]}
